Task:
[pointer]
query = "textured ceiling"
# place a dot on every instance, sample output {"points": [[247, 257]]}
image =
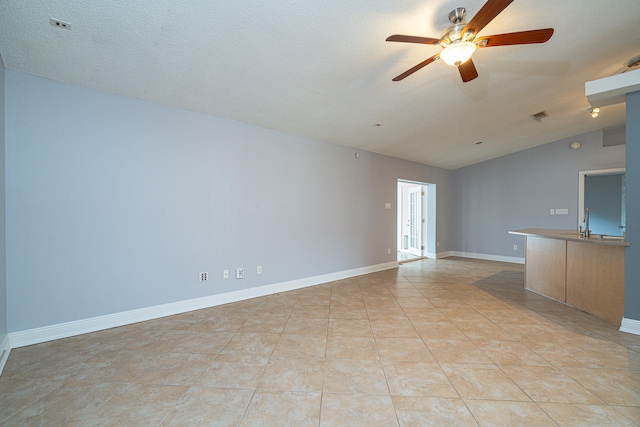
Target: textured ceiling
{"points": [[322, 69]]}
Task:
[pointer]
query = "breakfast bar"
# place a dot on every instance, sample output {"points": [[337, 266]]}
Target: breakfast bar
{"points": [[586, 273]]}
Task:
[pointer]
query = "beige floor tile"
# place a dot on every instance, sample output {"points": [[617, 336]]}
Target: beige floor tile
{"points": [[510, 353], [203, 342], [293, 374], [68, 405], [479, 381], [176, 369], [401, 328], [306, 326], [139, 405], [234, 371], [113, 365], [494, 413], [420, 411], [350, 327], [265, 323], [357, 411], [463, 315], [474, 317], [220, 324], [559, 354], [351, 376], [456, 351], [421, 316], [581, 415], [203, 406], [631, 412], [409, 349], [283, 408], [439, 330], [420, 303], [417, 379], [345, 347], [548, 384], [317, 311], [252, 343], [347, 312], [17, 393], [297, 345], [483, 331], [613, 386], [352, 300]]}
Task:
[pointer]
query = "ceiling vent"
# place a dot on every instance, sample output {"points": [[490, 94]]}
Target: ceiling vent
{"points": [[539, 116]]}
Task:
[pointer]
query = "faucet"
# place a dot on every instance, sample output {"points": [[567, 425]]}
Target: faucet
{"points": [[585, 233]]}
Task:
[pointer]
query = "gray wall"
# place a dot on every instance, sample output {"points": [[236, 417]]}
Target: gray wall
{"points": [[632, 254], [3, 270], [518, 190], [115, 204]]}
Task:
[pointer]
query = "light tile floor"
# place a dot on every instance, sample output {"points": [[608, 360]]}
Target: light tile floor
{"points": [[436, 342]]}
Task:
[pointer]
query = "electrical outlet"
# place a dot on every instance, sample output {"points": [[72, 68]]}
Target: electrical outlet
{"points": [[259, 270], [515, 247], [60, 24], [204, 276], [239, 273]]}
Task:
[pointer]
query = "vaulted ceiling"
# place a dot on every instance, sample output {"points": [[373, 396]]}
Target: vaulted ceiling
{"points": [[323, 69]]}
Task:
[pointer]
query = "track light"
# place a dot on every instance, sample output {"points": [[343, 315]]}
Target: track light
{"points": [[594, 111]]}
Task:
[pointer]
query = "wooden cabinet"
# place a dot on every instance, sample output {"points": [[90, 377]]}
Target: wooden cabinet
{"points": [[586, 274], [545, 267], [595, 280]]}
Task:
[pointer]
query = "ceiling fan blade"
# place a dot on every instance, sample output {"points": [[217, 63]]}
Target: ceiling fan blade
{"points": [[412, 39], [490, 10], [416, 68], [468, 71], [520, 37]]}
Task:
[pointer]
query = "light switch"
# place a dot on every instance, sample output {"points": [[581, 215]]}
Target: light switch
{"points": [[387, 205], [552, 211]]}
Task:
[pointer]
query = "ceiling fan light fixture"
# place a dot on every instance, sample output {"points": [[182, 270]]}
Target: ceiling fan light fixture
{"points": [[457, 53]]}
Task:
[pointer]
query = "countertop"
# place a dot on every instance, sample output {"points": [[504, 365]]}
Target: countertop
{"points": [[571, 235]]}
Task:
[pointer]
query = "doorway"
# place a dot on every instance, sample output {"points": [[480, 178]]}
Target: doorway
{"points": [[416, 220], [603, 192]]}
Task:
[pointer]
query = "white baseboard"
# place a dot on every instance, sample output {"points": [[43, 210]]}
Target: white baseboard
{"points": [[487, 257], [630, 326], [83, 326], [442, 255], [5, 349]]}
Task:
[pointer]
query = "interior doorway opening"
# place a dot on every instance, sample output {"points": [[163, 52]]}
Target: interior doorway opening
{"points": [[416, 220]]}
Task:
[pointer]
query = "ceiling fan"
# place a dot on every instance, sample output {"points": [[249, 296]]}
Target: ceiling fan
{"points": [[458, 42]]}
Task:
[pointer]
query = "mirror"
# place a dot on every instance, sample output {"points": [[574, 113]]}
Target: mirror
{"points": [[603, 192]]}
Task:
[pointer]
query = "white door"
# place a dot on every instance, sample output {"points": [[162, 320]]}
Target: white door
{"points": [[415, 221]]}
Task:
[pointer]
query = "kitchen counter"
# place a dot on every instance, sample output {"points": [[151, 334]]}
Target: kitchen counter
{"points": [[585, 273], [571, 235]]}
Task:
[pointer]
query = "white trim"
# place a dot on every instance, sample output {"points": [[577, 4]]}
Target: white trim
{"points": [[83, 326], [5, 349], [443, 254], [630, 326], [488, 257], [612, 89]]}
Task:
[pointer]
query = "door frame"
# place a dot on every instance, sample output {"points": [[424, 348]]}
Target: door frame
{"points": [[429, 241]]}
